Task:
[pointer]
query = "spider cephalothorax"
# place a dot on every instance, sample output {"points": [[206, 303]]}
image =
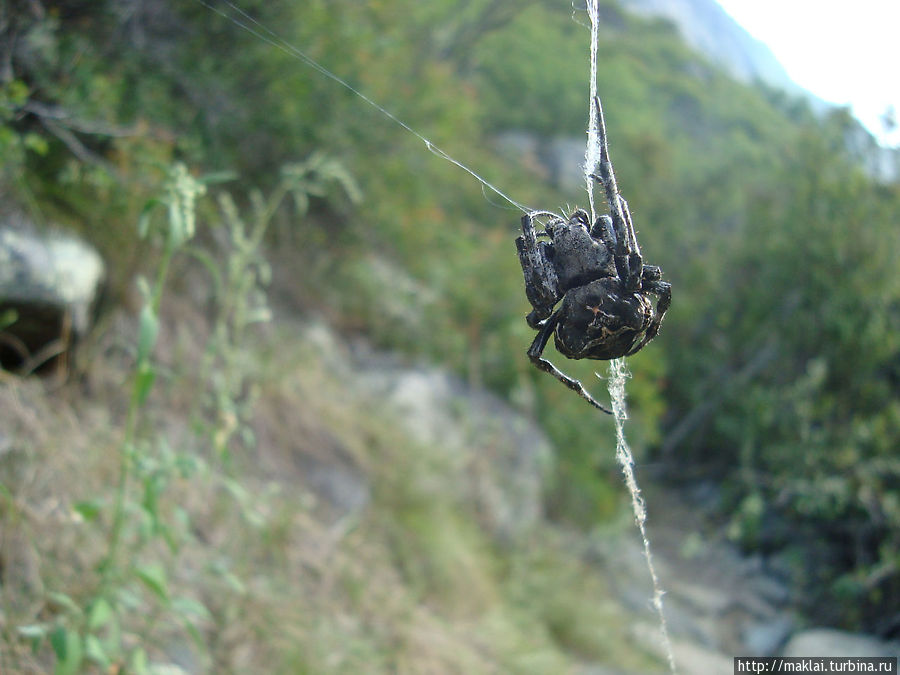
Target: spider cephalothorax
{"points": [[596, 271]]}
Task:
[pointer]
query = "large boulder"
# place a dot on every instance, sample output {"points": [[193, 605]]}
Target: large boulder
{"points": [[49, 283], [491, 454], [488, 454]]}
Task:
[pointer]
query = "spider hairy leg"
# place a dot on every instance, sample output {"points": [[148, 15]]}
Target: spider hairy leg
{"points": [[663, 292], [652, 273], [541, 281], [629, 262], [627, 253], [602, 230], [537, 348]]}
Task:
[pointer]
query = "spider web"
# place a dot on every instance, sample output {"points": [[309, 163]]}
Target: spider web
{"points": [[618, 371]]}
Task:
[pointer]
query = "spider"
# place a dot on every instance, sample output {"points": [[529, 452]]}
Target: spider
{"points": [[599, 275]]}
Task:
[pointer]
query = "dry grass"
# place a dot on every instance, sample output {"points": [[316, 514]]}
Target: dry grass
{"points": [[269, 567]]}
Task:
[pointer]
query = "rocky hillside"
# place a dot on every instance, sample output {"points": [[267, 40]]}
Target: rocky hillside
{"points": [[305, 431], [386, 518], [710, 30]]}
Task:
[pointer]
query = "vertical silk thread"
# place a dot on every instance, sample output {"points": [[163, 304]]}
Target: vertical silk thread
{"points": [[618, 372]]}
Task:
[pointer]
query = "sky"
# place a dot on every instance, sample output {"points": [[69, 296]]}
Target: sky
{"points": [[844, 53]]}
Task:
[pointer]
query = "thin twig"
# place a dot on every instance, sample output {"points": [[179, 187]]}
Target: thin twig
{"points": [[64, 118]]}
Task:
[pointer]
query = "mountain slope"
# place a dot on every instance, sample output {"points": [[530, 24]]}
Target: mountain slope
{"points": [[710, 30]]}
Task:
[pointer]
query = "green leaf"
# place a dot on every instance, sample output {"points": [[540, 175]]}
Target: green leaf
{"points": [[144, 217], [93, 650], [143, 287], [148, 332], [58, 641], [218, 177], [69, 650], [33, 631], [16, 92], [37, 144], [89, 509], [66, 602], [195, 634], [100, 615], [154, 577], [191, 608], [178, 227], [221, 568], [128, 599], [111, 640], [191, 612], [238, 491], [139, 662], [259, 315], [154, 486], [143, 382]]}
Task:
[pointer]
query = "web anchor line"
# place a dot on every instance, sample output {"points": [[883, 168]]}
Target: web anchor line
{"points": [[618, 371], [254, 27]]}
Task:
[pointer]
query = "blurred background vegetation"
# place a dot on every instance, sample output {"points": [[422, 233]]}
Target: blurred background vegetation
{"points": [[774, 381]]}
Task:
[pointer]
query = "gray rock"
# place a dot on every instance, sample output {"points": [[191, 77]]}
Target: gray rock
{"points": [[49, 283], [493, 455], [559, 160], [490, 455], [832, 642], [564, 159], [296, 448], [763, 638], [334, 477]]}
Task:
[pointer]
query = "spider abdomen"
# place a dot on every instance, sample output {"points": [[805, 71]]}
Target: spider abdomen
{"points": [[600, 320]]}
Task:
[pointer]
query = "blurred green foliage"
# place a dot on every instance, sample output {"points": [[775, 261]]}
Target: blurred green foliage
{"points": [[777, 372]]}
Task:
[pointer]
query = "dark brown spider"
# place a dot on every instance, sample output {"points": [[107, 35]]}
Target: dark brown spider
{"points": [[597, 272]]}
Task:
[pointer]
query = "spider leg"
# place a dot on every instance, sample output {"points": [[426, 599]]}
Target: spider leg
{"points": [[537, 348], [652, 283], [663, 292], [627, 253], [603, 232], [651, 273], [541, 280]]}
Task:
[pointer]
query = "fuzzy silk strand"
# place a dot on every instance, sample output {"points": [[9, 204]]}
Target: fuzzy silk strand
{"points": [[618, 372]]}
